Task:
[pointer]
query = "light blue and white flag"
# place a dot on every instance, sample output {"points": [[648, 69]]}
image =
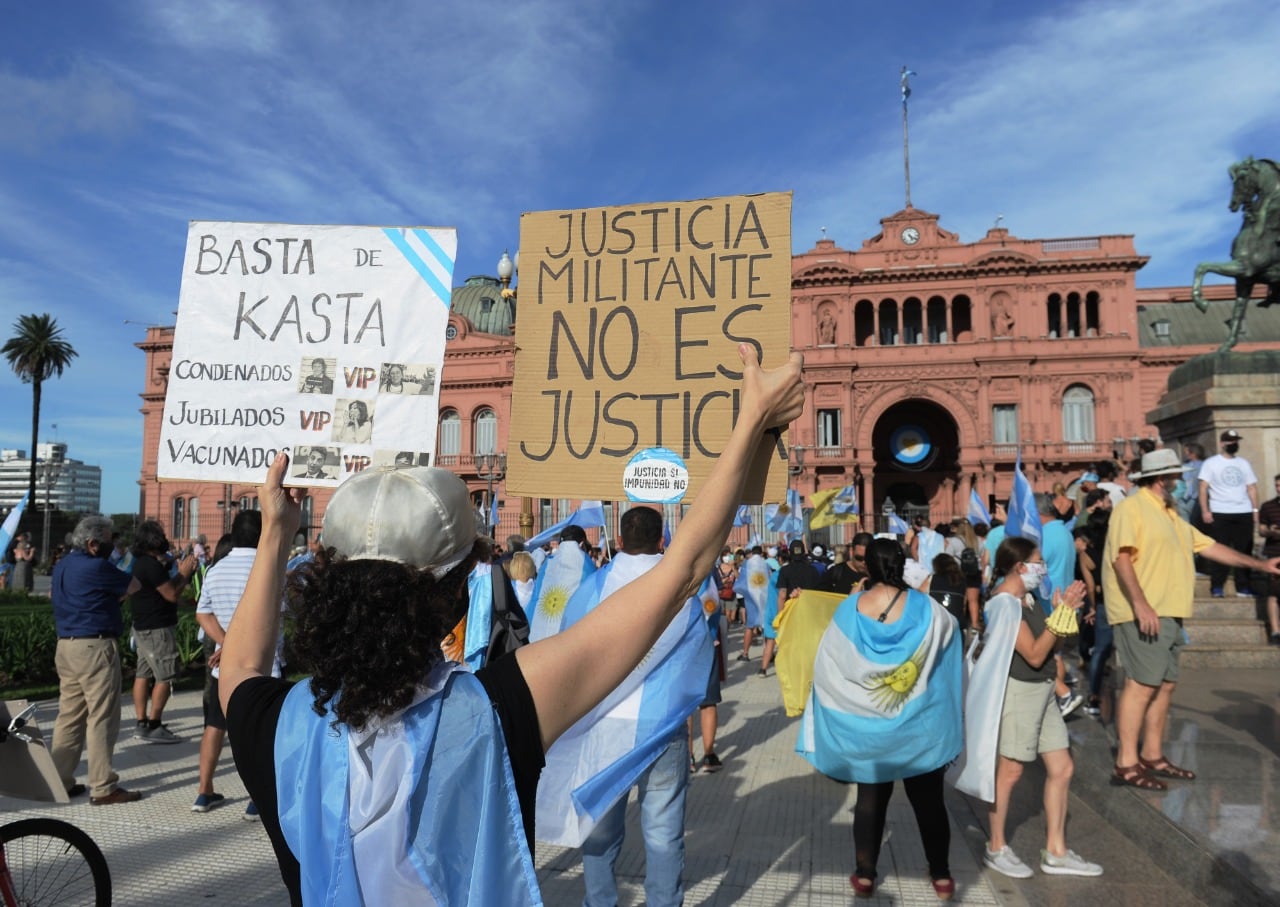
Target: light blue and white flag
{"points": [[1024, 517], [756, 585], [597, 760], [897, 525], [928, 546], [978, 512], [788, 518], [589, 515], [558, 580], [479, 616], [743, 516], [10, 526], [886, 698], [493, 512]]}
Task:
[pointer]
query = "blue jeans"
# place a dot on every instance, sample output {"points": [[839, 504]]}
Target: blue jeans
{"points": [[662, 789], [1103, 640]]}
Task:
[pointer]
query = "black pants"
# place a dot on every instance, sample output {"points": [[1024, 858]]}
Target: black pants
{"points": [[925, 794], [1235, 530]]}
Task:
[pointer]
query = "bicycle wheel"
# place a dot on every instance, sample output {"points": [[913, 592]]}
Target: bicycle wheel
{"points": [[52, 862]]}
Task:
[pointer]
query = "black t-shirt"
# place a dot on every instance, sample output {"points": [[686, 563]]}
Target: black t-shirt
{"points": [[1269, 514], [840, 578], [1035, 618], [798, 575], [254, 712], [150, 610], [950, 593]]}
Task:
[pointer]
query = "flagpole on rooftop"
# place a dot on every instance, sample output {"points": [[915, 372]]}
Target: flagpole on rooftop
{"points": [[906, 145]]}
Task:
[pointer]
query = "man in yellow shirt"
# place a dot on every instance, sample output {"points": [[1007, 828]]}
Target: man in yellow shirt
{"points": [[1148, 579]]}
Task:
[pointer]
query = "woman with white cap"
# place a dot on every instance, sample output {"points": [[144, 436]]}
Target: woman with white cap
{"points": [[391, 776]]}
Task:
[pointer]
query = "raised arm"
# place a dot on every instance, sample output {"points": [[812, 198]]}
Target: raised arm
{"points": [[569, 673], [250, 643]]}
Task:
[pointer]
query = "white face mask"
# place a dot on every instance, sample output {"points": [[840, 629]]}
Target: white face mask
{"points": [[1033, 574], [727, 559]]}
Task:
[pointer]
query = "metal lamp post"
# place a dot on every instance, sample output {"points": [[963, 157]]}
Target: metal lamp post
{"points": [[49, 471], [508, 267], [490, 466]]}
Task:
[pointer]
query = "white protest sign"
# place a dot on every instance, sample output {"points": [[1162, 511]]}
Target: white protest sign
{"points": [[325, 340]]}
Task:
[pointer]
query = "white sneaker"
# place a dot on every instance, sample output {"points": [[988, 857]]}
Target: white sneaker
{"points": [[1069, 864], [1069, 703], [1006, 862]]}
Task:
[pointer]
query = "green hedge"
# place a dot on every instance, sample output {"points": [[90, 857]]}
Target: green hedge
{"points": [[28, 640]]}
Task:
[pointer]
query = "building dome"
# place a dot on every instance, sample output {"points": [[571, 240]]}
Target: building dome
{"points": [[480, 301]]}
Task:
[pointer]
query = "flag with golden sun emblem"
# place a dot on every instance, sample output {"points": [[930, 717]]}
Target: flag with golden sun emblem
{"points": [[558, 579], [596, 761], [886, 698]]}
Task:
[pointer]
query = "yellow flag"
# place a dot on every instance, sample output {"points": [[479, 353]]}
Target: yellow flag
{"points": [[800, 628]]}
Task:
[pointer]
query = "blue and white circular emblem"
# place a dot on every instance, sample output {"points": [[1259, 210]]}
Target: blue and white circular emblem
{"points": [[655, 476], [910, 445]]}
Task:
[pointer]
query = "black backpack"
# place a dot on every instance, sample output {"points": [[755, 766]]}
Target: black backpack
{"points": [[969, 564]]}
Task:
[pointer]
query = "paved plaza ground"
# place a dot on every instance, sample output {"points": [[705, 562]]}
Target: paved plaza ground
{"points": [[768, 830]]}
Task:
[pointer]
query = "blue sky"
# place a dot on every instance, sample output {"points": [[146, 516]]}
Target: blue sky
{"points": [[122, 120]]}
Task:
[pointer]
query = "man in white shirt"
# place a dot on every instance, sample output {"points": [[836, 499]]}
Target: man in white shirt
{"points": [[1229, 508], [219, 596]]}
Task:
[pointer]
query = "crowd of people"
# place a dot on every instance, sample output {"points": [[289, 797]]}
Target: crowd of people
{"points": [[503, 683]]}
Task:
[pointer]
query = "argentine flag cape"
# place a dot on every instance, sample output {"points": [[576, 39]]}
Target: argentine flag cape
{"points": [[420, 808], [558, 579], [986, 674], [886, 698], [600, 757], [756, 585]]}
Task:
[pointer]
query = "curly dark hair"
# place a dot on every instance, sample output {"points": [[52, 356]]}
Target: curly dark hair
{"points": [[370, 631], [149, 538]]}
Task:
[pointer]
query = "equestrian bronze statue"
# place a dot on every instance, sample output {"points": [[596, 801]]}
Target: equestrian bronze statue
{"points": [[1255, 252]]}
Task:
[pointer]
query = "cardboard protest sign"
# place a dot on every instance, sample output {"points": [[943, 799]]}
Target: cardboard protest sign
{"points": [[627, 372], [327, 340]]}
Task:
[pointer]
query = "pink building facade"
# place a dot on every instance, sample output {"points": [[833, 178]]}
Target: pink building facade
{"points": [[929, 364]]}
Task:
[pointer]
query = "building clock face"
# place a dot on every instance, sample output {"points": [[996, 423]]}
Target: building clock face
{"points": [[911, 236]]}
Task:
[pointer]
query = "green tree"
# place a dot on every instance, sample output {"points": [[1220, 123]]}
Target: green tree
{"points": [[37, 352]]}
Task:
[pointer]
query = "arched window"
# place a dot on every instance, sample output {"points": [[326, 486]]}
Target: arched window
{"points": [[193, 518], [864, 322], [1091, 325], [449, 441], [961, 318], [485, 440], [937, 317], [888, 322], [179, 516], [1073, 315], [1077, 415], [912, 321], [1055, 315]]}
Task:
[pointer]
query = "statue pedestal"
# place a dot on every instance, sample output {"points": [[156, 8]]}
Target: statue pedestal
{"points": [[1209, 394]]}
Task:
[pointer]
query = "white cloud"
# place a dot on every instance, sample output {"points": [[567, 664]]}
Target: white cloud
{"points": [[36, 113], [1108, 118]]}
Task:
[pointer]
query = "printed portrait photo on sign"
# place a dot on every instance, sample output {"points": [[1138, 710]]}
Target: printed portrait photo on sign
{"points": [[353, 422], [317, 375], [400, 459], [315, 462], [398, 378]]}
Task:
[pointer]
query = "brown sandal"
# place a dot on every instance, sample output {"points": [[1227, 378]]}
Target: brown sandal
{"points": [[1166, 769], [1135, 776]]}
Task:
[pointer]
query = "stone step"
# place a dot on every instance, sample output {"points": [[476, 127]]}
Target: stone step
{"points": [[1219, 657], [1226, 609], [1202, 586], [1209, 633]]}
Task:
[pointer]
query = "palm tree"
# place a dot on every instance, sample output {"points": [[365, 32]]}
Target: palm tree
{"points": [[37, 352]]}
